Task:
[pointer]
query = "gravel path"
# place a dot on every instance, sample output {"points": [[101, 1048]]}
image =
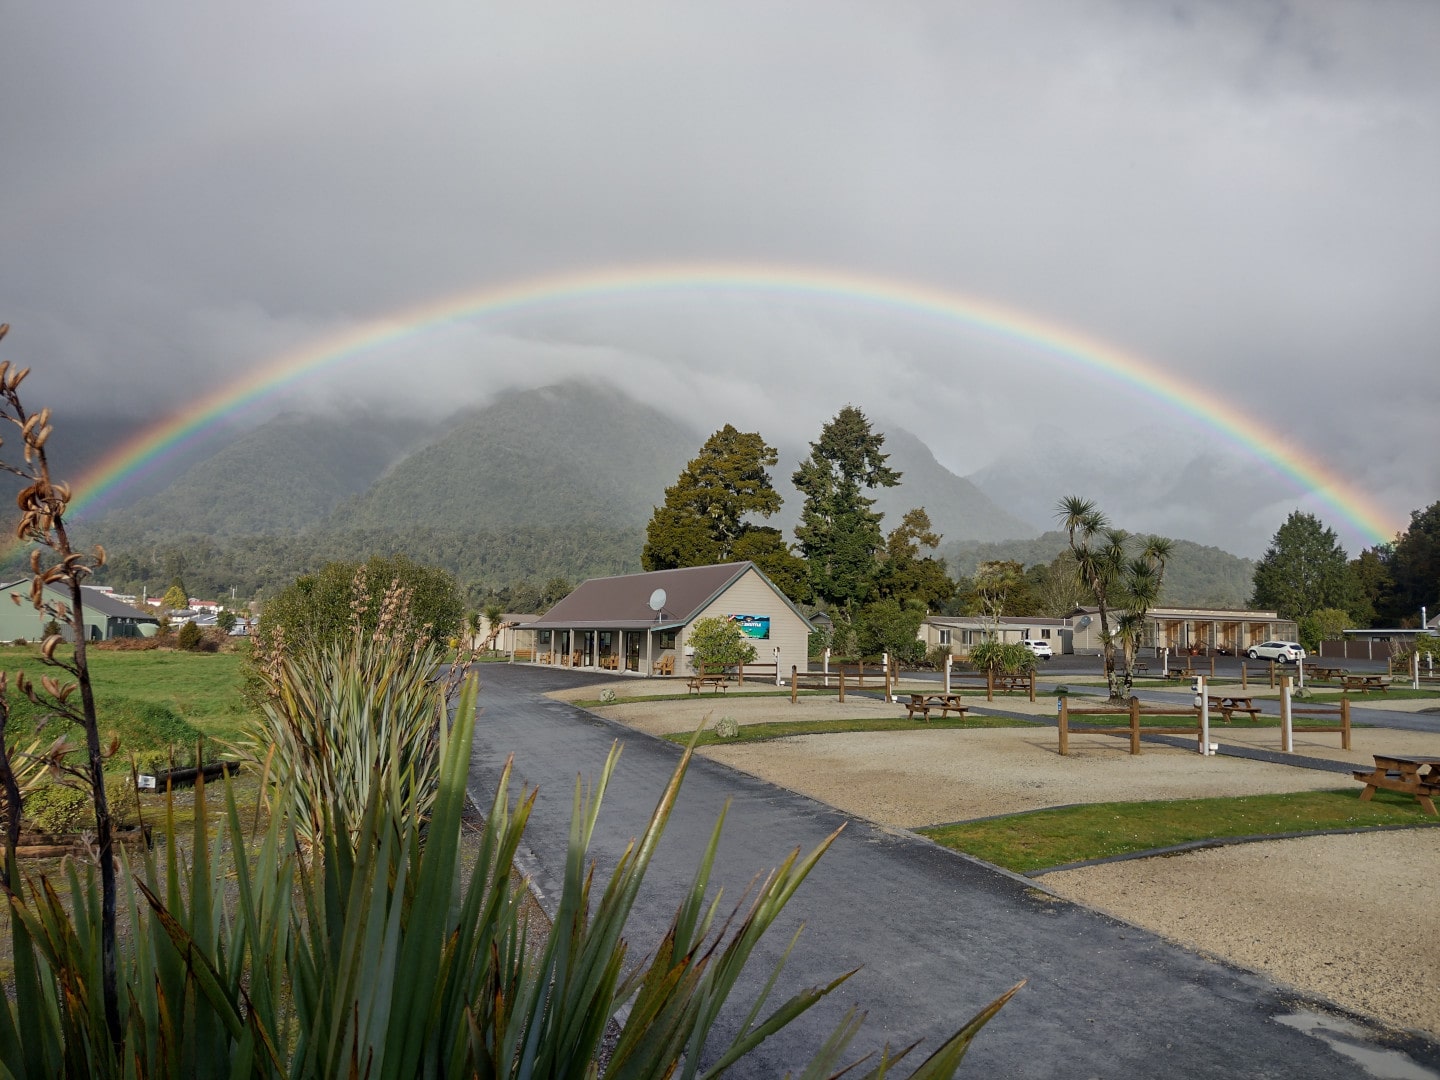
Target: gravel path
{"points": [[1314, 913]]}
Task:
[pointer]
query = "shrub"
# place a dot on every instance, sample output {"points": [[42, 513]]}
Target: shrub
{"points": [[57, 808], [935, 658], [50, 629], [189, 637], [1009, 657], [718, 643]]}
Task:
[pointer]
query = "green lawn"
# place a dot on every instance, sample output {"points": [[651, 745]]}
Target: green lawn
{"points": [[1034, 841], [783, 729], [1320, 692], [151, 699]]}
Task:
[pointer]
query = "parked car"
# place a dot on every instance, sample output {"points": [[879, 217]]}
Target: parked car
{"points": [[1282, 652], [1041, 649]]}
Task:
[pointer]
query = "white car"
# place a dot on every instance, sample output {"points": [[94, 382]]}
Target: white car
{"points": [[1284, 652], [1041, 649]]}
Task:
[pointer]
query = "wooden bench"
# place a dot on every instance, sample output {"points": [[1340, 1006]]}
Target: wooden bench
{"points": [[544, 658], [1009, 681], [610, 662], [923, 703], [664, 666], [1398, 773]]}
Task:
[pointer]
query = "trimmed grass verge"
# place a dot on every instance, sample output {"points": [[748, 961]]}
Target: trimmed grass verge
{"points": [[1045, 838], [784, 729], [743, 695]]}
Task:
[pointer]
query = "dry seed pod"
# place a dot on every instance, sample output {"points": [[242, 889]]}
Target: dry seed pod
{"points": [[45, 415], [35, 561], [17, 378], [30, 425], [51, 686], [47, 650], [62, 612], [44, 434], [66, 690], [4, 329], [4, 682]]}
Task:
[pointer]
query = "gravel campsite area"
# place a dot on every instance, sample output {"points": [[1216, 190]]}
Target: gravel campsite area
{"points": [[1313, 913]]}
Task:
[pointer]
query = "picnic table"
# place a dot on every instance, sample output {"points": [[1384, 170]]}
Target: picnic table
{"points": [[717, 683], [1324, 672], [1229, 704], [923, 703], [1363, 683], [1395, 772], [1012, 681]]}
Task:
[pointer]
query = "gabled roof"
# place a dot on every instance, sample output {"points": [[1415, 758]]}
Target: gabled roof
{"points": [[93, 600], [623, 603]]}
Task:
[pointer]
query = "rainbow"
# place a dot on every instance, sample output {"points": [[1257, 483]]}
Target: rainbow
{"points": [[173, 434]]}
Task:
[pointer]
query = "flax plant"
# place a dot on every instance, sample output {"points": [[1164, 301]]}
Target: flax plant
{"points": [[340, 716]]}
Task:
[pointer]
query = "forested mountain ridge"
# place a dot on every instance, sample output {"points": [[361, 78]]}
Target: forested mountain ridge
{"points": [[576, 455], [280, 478], [1195, 575]]}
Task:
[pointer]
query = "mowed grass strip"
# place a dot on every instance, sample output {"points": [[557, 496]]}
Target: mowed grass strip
{"points": [[1046, 838], [151, 698], [787, 728]]}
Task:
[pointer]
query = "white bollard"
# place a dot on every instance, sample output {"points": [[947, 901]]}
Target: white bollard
{"points": [[1287, 742], [1202, 698], [949, 659]]}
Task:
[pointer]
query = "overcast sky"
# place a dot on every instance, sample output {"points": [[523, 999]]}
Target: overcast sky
{"points": [[1242, 193]]}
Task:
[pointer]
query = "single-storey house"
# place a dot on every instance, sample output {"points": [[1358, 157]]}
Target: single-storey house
{"points": [[1189, 630], [104, 616], [640, 622], [505, 630], [960, 633]]}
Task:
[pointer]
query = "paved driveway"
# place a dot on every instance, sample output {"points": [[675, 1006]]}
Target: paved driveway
{"points": [[938, 935]]}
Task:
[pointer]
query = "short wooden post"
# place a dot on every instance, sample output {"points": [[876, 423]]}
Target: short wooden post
{"points": [[1064, 725], [860, 674], [1272, 674], [842, 684], [989, 684], [794, 684], [1032, 684], [1244, 683], [1134, 725], [1344, 723], [1212, 665]]}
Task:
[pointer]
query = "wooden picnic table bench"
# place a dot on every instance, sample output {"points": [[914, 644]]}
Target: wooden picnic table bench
{"points": [[1229, 704], [923, 703], [1395, 772], [1324, 671], [718, 683], [1012, 681], [1363, 683]]}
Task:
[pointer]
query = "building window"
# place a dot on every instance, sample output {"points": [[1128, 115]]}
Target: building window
{"points": [[944, 637], [967, 637], [667, 639], [1044, 633]]}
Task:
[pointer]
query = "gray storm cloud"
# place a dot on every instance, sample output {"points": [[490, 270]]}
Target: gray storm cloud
{"points": [[1241, 194]]}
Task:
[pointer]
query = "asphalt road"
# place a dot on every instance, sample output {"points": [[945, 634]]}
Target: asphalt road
{"points": [[938, 935]]}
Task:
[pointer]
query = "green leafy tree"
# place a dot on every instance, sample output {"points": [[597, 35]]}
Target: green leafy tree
{"points": [[718, 643], [175, 599], [907, 575], [1304, 569], [839, 531], [319, 608], [706, 516], [1122, 586], [889, 626], [1415, 568], [1326, 624], [1374, 585], [226, 619], [990, 590], [1053, 587]]}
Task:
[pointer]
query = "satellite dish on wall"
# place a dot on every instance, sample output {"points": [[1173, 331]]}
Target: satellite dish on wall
{"points": [[657, 600], [1084, 622]]}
